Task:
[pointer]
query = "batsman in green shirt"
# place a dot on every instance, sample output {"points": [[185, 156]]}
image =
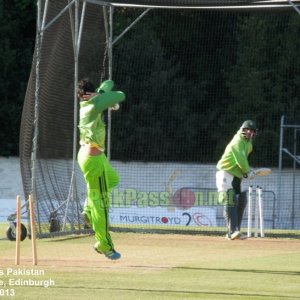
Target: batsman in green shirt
{"points": [[99, 175], [232, 168]]}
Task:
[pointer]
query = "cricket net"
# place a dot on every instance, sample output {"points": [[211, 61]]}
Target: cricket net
{"points": [[191, 77]]}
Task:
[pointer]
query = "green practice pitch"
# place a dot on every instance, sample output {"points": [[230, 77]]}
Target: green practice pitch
{"points": [[153, 266]]}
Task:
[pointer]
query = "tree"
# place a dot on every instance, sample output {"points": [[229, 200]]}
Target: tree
{"points": [[158, 117], [264, 81]]}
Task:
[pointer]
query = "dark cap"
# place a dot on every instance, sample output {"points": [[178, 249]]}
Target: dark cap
{"points": [[249, 124]]}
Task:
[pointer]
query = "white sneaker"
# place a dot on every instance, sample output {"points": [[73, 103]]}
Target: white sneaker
{"points": [[235, 235], [240, 237]]}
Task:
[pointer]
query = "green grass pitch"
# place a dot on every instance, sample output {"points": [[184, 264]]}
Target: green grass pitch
{"points": [[153, 266]]}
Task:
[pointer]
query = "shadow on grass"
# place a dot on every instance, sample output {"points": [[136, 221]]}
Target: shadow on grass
{"points": [[178, 292], [274, 272], [70, 238]]}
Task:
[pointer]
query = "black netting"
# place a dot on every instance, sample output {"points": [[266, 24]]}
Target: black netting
{"points": [[191, 78], [56, 105]]}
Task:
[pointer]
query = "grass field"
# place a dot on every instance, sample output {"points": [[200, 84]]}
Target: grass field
{"points": [[153, 266]]}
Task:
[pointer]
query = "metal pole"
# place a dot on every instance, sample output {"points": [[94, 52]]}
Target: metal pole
{"points": [[294, 178], [281, 142], [36, 106], [110, 37], [131, 25], [294, 6], [105, 53], [59, 15], [76, 44], [280, 160]]}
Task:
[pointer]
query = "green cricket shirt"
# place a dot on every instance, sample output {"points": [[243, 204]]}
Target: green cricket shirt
{"points": [[91, 125], [235, 158]]}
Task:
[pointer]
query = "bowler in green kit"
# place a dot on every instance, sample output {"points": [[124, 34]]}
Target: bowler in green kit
{"points": [[99, 175]]}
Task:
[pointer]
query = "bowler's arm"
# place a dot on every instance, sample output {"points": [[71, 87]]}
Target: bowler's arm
{"points": [[105, 100]]}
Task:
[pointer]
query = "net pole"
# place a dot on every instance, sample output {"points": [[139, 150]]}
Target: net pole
{"points": [[104, 62], [294, 178], [131, 25], [77, 30], [76, 52], [58, 15], [280, 159], [294, 6], [110, 64], [36, 104], [79, 38], [72, 27]]}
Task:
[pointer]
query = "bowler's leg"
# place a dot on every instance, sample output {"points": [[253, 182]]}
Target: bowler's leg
{"points": [[98, 205], [112, 175]]}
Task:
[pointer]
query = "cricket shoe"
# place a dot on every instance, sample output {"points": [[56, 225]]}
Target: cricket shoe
{"points": [[240, 237], [112, 254], [233, 236]]}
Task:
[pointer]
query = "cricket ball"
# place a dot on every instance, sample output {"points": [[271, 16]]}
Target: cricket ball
{"points": [[115, 107]]}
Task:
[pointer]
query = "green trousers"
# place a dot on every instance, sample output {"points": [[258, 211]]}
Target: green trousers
{"points": [[100, 178]]}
